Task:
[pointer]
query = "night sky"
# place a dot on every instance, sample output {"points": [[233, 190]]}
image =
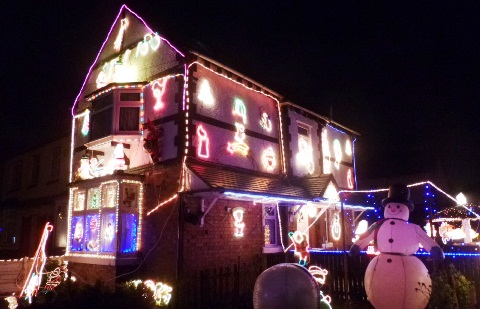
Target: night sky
{"points": [[404, 75]]}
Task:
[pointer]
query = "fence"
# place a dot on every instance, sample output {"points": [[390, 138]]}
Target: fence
{"points": [[232, 286]]}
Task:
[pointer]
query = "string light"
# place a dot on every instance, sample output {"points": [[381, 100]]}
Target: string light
{"points": [[105, 42]]}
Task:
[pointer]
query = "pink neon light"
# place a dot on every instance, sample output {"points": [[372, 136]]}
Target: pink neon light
{"points": [[203, 142], [158, 89], [349, 179], [233, 147], [105, 42]]}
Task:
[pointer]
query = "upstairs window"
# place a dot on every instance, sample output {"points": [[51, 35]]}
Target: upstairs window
{"points": [[101, 117]]}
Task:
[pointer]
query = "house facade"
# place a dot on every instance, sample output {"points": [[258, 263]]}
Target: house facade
{"points": [[179, 163], [34, 191]]}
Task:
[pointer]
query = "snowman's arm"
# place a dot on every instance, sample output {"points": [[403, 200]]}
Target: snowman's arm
{"points": [[364, 239], [429, 244]]}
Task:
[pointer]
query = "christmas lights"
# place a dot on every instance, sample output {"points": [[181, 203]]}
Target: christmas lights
{"points": [[238, 213], [105, 42], [305, 153], [205, 93], [302, 245], [335, 227], [34, 277], [86, 123], [118, 42], [326, 152], [268, 159], [158, 89], [265, 122]]}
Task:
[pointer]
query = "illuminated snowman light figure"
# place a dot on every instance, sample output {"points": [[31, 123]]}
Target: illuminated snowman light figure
{"points": [[396, 279]]}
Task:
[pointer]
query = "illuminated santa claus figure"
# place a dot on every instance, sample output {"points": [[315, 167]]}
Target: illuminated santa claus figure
{"points": [[396, 279]]}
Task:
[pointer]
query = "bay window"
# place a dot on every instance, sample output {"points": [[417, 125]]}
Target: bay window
{"points": [[105, 219]]}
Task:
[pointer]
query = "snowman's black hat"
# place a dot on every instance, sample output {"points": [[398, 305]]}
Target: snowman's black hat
{"points": [[398, 193]]}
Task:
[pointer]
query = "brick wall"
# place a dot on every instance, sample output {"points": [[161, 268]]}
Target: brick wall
{"points": [[214, 244]]}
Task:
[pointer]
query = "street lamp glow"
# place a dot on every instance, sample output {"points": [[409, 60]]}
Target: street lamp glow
{"points": [[461, 199]]}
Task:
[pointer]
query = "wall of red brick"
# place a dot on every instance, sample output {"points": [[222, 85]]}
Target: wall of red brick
{"points": [[91, 273], [214, 245]]}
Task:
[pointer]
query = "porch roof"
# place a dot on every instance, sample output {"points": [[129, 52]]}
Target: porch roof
{"points": [[221, 177]]}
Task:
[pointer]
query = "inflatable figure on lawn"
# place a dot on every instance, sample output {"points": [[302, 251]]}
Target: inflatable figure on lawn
{"points": [[396, 279]]}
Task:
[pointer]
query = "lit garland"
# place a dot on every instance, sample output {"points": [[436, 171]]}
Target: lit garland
{"points": [[163, 203]]}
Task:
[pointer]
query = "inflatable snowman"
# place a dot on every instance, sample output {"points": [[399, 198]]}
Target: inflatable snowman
{"points": [[396, 279]]}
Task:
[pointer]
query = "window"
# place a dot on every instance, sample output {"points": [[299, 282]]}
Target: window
{"points": [[101, 117], [271, 232], [105, 219], [305, 151], [129, 119]]}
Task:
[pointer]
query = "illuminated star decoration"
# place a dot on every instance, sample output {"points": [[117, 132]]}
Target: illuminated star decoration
{"points": [[34, 278], [118, 42]]}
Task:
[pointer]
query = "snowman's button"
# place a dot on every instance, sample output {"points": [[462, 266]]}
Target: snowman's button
{"points": [[392, 222], [390, 240], [389, 261]]}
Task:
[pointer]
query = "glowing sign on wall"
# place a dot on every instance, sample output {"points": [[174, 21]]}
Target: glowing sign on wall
{"points": [[237, 213], [239, 110], [268, 159], [205, 93], [158, 89], [203, 146], [118, 42]]}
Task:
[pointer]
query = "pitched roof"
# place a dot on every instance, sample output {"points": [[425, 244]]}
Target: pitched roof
{"points": [[223, 177]]}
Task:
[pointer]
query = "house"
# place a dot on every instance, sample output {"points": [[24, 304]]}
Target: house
{"points": [[34, 191], [180, 163]]}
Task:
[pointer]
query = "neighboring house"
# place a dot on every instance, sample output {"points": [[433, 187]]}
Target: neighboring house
{"points": [[34, 192], [180, 163]]}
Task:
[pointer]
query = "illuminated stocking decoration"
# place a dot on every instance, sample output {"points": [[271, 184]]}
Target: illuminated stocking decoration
{"points": [[301, 244], [349, 179], [237, 213], [265, 122], [326, 153], [86, 123], [336, 230], [268, 159], [203, 143], [337, 149], [34, 278], [158, 89], [205, 93]]}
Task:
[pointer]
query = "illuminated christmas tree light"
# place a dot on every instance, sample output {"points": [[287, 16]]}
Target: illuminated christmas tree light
{"points": [[205, 93]]}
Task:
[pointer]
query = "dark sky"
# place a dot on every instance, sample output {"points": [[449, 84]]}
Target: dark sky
{"points": [[404, 75]]}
